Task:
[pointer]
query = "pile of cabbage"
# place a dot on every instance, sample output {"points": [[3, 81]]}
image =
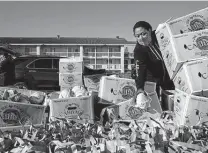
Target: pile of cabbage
{"points": [[147, 135], [14, 96]]}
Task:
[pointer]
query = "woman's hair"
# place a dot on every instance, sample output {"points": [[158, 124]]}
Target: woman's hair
{"points": [[142, 24]]}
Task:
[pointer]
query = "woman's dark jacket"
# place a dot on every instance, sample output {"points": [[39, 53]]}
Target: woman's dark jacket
{"points": [[150, 59]]}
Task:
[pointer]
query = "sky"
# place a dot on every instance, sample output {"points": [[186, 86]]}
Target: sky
{"points": [[104, 19]]}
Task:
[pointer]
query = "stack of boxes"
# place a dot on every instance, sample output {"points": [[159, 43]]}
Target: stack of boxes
{"points": [[70, 72], [184, 46], [71, 75]]}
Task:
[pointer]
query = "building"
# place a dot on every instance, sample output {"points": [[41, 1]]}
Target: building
{"points": [[97, 53], [129, 56]]}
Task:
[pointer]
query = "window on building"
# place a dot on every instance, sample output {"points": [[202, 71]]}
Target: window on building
{"points": [[76, 50], [27, 50], [102, 49], [132, 61], [53, 50], [86, 60], [114, 61], [88, 49], [102, 61], [89, 61], [105, 49], [126, 55], [114, 49], [92, 61], [73, 49]]}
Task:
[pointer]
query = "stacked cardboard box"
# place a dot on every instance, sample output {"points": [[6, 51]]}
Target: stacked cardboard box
{"points": [[183, 39], [70, 72], [70, 75], [184, 45]]}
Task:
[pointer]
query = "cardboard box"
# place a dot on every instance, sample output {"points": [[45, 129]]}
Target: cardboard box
{"points": [[92, 82], [70, 79], [126, 110], [168, 100], [67, 65], [12, 113], [192, 78], [190, 109], [150, 87], [116, 90], [192, 22], [178, 49], [70, 108]]}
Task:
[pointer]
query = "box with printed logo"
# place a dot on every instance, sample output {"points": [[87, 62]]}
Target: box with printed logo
{"points": [[92, 82], [192, 22], [190, 109], [192, 78], [18, 114], [72, 108], [116, 90], [178, 49], [126, 110], [70, 79], [67, 65]]}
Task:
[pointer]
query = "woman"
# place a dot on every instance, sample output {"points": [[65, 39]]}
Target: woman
{"points": [[147, 57]]}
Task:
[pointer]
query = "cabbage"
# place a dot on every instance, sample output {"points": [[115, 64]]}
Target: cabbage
{"points": [[79, 91], [65, 93]]}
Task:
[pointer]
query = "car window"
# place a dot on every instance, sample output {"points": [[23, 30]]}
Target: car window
{"points": [[55, 63], [31, 65], [41, 63]]}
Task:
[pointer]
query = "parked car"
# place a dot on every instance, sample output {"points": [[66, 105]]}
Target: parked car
{"points": [[20, 63], [39, 71]]}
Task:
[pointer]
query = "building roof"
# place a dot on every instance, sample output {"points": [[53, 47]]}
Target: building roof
{"points": [[131, 42], [61, 40]]}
